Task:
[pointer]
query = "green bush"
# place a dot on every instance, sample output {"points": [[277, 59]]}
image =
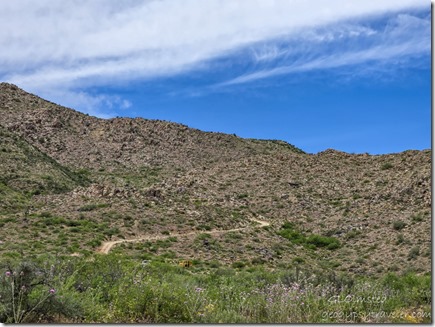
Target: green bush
{"points": [[386, 166], [91, 207], [96, 242], [298, 260], [45, 214], [323, 241], [414, 253], [400, 239], [399, 225], [258, 261], [417, 217], [203, 236], [112, 231], [311, 241], [203, 227], [53, 221], [292, 235], [238, 264]]}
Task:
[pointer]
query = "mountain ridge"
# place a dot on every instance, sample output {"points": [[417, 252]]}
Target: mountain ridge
{"points": [[143, 177], [96, 133]]}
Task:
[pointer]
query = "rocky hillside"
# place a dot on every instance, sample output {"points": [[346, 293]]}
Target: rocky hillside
{"points": [[79, 140], [128, 178]]}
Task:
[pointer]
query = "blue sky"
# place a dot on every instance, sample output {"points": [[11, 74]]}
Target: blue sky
{"points": [[350, 75]]}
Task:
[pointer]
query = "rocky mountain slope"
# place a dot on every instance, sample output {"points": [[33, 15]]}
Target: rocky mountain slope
{"points": [[79, 140], [124, 178]]}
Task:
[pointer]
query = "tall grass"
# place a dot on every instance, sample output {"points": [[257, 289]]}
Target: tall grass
{"points": [[118, 289]]}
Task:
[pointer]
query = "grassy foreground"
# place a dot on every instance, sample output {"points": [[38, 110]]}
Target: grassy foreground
{"points": [[113, 288]]}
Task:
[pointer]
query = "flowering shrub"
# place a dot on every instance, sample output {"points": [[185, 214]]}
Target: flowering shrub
{"points": [[117, 289], [26, 294]]}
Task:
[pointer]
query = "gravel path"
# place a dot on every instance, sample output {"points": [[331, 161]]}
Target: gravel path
{"points": [[107, 246]]}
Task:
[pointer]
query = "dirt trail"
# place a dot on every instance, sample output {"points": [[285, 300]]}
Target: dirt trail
{"points": [[107, 246]]}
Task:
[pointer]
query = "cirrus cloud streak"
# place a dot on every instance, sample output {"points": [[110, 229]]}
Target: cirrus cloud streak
{"points": [[51, 46]]}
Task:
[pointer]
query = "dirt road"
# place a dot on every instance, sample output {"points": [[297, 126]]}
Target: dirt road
{"points": [[107, 246]]}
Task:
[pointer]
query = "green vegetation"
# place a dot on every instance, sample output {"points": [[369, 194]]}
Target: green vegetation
{"points": [[414, 253], [417, 217], [386, 166], [27, 171], [118, 289], [312, 241], [400, 239], [279, 143], [399, 225], [90, 207]]}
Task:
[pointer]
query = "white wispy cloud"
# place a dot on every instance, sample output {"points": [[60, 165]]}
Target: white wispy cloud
{"points": [[68, 45], [99, 105], [405, 36]]}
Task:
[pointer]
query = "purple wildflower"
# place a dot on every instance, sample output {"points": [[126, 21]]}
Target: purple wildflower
{"points": [[52, 291], [8, 273]]}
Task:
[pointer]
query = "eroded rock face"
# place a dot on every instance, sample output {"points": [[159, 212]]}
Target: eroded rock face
{"points": [[103, 191]]}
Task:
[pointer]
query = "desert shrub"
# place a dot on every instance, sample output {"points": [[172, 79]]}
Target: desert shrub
{"points": [[400, 239], [323, 241], [163, 243], [45, 214], [214, 264], [8, 220], [169, 255], [83, 172], [386, 166], [287, 231], [352, 234], [96, 242], [399, 225], [311, 241], [233, 236], [203, 227], [72, 223], [88, 207], [414, 253], [49, 221], [298, 260], [91, 207], [112, 231], [203, 236], [417, 217], [258, 261], [238, 264]]}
